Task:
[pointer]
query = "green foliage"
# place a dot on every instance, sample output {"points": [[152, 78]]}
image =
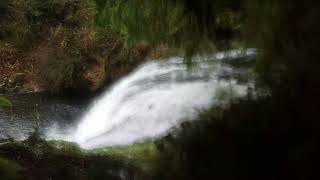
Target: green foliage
{"points": [[65, 160], [9, 170], [4, 102], [194, 26], [144, 155]]}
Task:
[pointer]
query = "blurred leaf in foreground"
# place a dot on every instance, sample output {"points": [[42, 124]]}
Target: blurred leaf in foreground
{"points": [[4, 102]]}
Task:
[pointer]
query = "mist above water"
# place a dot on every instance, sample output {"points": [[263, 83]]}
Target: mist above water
{"points": [[152, 100]]}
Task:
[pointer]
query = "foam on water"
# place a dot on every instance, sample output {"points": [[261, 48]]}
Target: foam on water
{"points": [[150, 101]]}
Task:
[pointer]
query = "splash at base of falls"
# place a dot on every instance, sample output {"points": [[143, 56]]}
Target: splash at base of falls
{"points": [[152, 100]]}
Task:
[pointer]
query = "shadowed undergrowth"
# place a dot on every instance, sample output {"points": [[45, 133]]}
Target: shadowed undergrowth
{"points": [[63, 160]]}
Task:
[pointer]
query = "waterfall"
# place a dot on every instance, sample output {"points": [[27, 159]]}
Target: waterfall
{"points": [[152, 100]]}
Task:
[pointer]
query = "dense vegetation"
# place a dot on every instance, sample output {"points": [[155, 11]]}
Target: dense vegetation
{"points": [[54, 45], [192, 26], [272, 136]]}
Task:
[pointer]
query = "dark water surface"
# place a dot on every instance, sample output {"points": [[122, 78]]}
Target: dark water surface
{"points": [[38, 109]]}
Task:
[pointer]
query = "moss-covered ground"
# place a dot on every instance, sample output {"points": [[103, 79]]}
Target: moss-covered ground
{"points": [[64, 160]]}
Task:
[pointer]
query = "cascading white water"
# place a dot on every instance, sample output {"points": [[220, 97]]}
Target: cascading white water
{"points": [[152, 100]]}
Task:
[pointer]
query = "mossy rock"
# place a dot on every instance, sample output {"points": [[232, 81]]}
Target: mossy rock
{"points": [[9, 169]]}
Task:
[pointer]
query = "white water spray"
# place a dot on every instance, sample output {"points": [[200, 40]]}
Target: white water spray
{"points": [[149, 102]]}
